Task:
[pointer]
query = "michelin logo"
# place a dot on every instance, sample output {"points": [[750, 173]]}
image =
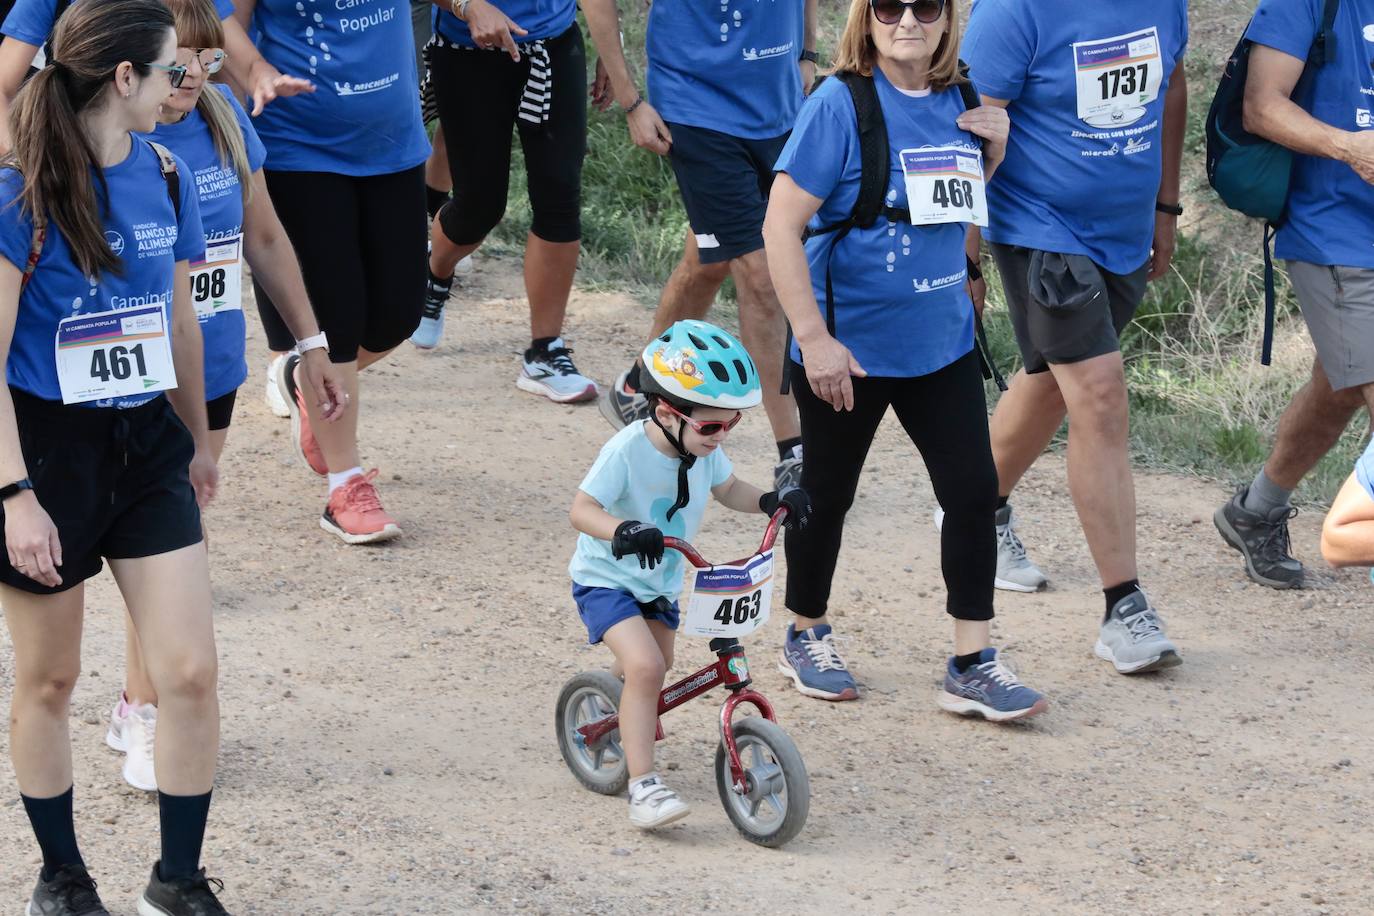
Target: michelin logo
{"points": [[1136, 145]]}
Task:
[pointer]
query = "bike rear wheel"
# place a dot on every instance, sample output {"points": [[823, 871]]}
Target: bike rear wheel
{"points": [[777, 794], [588, 697]]}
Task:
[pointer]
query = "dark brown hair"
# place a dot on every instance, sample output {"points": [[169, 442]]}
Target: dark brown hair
{"points": [[51, 148]]}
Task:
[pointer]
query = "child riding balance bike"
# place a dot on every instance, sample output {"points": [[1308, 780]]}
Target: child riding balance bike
{"points": [[650, 482]]}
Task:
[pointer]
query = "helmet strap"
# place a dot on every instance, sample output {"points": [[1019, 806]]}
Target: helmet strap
{"points": [[685, 460]]}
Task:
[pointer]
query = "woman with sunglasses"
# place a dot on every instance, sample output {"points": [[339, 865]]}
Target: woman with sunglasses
{"points": [[208, 130], [349, 157], [900, 335], [104, 451]]}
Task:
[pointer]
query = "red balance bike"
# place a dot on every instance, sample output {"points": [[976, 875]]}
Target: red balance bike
{"points": [[760, 775]]}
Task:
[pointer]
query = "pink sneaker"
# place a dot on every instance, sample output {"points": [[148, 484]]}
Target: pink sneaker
{"points": [[355, 514], [302, 438]]}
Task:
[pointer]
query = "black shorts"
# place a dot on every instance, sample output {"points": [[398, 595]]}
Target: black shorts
{"points": [[724, 182], [116, 483], [220, 411], [1056, 336]]}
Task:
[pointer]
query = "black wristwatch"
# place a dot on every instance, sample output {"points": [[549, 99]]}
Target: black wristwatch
{"points": [[811, 56], [15, 488], [1171, 209]]}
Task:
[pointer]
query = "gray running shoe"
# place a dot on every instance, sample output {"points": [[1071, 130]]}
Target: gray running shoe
{"points": [[787, 472], [1132, 638], [621, 407], [1262, 540], [71, 892], [1015, 571]]}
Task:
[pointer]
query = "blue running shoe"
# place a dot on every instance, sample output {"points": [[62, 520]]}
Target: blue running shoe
{"points": [[990, 690], [431, 328], [813, 663]]}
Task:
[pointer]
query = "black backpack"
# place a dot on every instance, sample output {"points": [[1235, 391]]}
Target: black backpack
{"points": [[871, 201], [1249, 173]]}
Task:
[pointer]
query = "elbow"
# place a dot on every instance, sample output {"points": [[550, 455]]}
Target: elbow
{"points": [[1254, 116]]}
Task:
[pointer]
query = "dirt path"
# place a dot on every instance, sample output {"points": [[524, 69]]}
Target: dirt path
{"points": [[387, 713]]}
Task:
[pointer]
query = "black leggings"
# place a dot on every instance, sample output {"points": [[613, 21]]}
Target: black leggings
{"points": [[945, 414], [479, 94], [361, 244]]}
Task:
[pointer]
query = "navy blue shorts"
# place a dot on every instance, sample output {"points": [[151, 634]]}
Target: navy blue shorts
{"points": [[724, 182], [603, 608]]}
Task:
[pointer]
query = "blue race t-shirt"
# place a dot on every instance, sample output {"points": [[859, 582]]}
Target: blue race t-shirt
{"points": [[633, 480], [1330, 208], [901, 306], [729, 66], [364, 116], [220, 190], [1086, 82], [539, 18], [31, 21], [142, 228]]}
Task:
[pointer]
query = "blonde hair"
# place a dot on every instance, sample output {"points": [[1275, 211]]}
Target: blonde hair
{"points": [[857, 53], [198, 26]]}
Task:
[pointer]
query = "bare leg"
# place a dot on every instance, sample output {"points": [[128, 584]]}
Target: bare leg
{"points": [[444, 255], [971, 636], [339, 439], [138, 686], [1022, 425], [1310, 426], [690, 290], [168, 596], [46, 632], [763, 327], [1100, 478], [638, 655], [549, 271]]}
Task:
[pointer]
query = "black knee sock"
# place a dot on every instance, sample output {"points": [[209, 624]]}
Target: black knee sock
{"points": [[434, 199], [1117, 592], [55, 829], [1002, 501], [441, 282], [964, 662], [183, 820], [632, 377], [785, 447]]}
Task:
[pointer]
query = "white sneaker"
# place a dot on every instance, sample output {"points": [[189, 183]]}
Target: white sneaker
{"points": [[272, 392], [139, 736], [551, 373], [652, 804], [117, 736], [464, 266]]}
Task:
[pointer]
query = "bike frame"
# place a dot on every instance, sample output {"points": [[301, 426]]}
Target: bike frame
{"points": [[730, 670]]}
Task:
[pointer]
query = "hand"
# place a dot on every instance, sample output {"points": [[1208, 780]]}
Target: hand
{"points": [[639, 539], [978, 292], [1359, 154], [1162, 250], [204, 477], [991, 124], [31, 540], [829, 366], [269, 83], [492, 28], [808, 75], [600, 90], [647, 129], [324, 383], [797, 502]]}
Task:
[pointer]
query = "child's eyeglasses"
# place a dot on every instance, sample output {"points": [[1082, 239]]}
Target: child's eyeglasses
{"points": [[705, 427], [889, 12], [175, 73], [211, 59]]}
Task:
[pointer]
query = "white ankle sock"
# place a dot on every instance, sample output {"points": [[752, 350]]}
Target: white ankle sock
{"points": [[338, 480]]}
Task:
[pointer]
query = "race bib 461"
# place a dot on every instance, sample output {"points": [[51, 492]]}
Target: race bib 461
{"points": [[114, 354]]}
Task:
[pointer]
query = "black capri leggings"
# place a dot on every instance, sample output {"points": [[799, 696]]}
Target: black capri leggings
{"points": [[479, 94], [945, 414], [361, 244]]}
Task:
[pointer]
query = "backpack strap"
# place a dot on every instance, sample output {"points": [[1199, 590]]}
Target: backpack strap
{"points": [[168, 163], [1324, 47], [40, 235]]}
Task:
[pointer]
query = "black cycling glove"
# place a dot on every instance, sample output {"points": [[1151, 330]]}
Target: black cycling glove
{"points": [[795, 499], [638, 539]]}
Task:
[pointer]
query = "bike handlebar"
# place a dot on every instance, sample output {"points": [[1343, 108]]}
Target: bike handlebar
{"points": [[770, 535]]}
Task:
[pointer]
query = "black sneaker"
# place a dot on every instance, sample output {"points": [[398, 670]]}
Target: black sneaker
{"points": [[193, 896], [71, 892], [1262, 540]]}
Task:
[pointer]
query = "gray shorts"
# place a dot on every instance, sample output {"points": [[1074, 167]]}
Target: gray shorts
{"points": [[1338, 305], [1047, 336]]}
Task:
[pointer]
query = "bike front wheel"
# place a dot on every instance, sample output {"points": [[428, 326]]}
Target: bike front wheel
{"points": [[777, 792], [600, 765]]}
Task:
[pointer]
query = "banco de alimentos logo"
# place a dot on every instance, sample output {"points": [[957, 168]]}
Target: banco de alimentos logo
{"points": [[115, 240]]}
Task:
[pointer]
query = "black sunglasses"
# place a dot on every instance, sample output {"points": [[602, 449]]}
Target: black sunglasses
{"points": [[889, 12], [175, 74]]}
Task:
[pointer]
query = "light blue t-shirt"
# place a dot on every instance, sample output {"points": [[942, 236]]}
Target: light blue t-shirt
{"points": [[141, 227], [633, 480], [364, 116], [1364, 470], [1330, 208], [730, 66], [220, 190], [539, 18], [901, 306], [31, 21], [1071, 184]]}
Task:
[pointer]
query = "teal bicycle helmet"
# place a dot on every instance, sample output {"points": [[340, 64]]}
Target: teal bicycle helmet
{"points": [[695, 362]]}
